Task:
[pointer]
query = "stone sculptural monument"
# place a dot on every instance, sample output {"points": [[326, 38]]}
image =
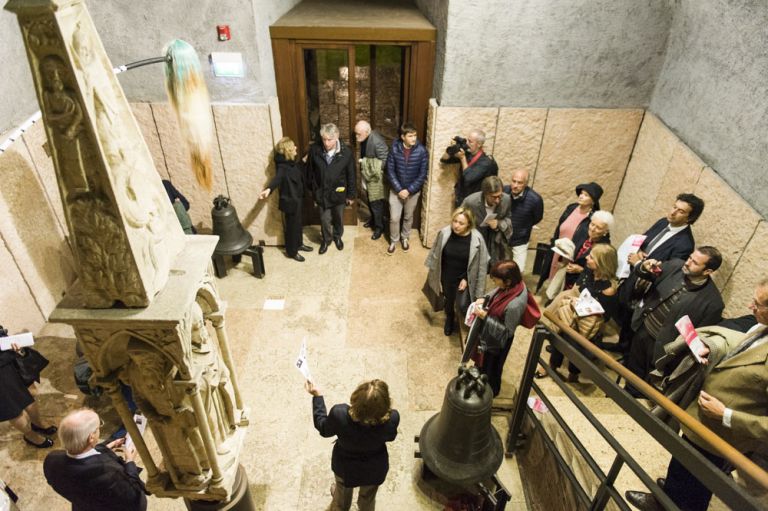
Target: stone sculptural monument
{"points": [[145, 299]]}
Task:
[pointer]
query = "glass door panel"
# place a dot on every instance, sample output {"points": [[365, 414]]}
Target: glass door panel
{"points": [[327, 90]]}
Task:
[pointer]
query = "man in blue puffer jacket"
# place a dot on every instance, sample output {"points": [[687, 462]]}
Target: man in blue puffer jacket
{"points": [[407, 171]]}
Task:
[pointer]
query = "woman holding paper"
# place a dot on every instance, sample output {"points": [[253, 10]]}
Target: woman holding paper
{"points": [[502, 311], [599, 279], [598, 231], [457, 261], [362, 429], [17, 404]]}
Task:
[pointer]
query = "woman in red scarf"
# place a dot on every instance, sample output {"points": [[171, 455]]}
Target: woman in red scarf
{"points": [[502, 310]]}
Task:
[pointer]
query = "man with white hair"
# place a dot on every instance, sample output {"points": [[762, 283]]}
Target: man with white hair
{"points": [[373, 155], [475, 165], [331, 178], [90, 475]]}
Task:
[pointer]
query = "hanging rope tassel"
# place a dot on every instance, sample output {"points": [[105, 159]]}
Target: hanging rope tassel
{"points": [[188, 94]]}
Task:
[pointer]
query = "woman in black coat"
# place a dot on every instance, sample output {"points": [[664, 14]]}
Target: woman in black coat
{"points": [[289, 178], [17, 404], [362, 429]]}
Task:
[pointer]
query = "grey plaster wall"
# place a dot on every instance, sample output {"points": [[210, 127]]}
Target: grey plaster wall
{"points": [[713, 90], [17, 95], [550, 53], [437, 14], [136, 30]]}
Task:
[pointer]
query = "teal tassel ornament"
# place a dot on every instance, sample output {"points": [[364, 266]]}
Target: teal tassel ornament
{"points": [[188, 94]]}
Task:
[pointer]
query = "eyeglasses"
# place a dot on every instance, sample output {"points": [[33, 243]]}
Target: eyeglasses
{"points": [[759, 306]]}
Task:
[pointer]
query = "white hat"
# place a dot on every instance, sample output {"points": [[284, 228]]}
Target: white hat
{"points": [[564, 247]]}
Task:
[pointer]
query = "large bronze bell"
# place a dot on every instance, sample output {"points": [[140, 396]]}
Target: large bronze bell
{"points": [[233, 238], [459, 444]]}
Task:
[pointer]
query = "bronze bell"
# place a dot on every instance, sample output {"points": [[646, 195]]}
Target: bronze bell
{"points": [[233, 238], [459, 444]]}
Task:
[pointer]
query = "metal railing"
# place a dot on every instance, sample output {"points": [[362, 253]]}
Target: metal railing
{"points": [[723, 486]]}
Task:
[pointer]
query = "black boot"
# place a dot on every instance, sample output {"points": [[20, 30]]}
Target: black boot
{"points": [[448, 327]]}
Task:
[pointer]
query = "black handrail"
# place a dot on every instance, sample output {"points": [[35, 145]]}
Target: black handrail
{"points": [[722, 485]]}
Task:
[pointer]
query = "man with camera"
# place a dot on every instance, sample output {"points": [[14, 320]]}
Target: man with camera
{"points": [[475, 164]]}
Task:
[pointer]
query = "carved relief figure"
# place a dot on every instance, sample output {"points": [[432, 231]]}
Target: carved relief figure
{"points": [[152, 378], [65, 116]]}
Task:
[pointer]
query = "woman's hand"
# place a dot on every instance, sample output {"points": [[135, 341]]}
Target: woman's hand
{"points": [[573, 268], [15, 347], [310, 387], [480, 312], [463, 285], [263, 195], [480, 301]]}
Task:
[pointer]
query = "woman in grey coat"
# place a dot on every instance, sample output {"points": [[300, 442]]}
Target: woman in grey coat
{"points": [[457, 261]]}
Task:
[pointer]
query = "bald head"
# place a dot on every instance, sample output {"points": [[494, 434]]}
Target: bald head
{"points": [[519, 182], [79, 431]]}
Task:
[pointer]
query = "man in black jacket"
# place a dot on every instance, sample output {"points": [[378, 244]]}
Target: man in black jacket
{"points": [[89, 475], [475, 166], [674, 289], [527, 210], [331, 169]]}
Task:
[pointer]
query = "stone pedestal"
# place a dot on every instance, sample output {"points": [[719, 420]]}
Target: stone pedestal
{"points": [[181, 376]]}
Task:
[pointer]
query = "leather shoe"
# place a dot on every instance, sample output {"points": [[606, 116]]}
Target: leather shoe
{"points": [[306, 248], [299, 258], [45, 444], [368, 224], [391, 249], [572, 378], [642, 500], [405, 244], [376, 235], [339, 243], [323, 248], [50, 430], [448, 326]]}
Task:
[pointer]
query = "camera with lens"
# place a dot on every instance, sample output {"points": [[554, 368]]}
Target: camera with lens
{"points": [[459, 144]]}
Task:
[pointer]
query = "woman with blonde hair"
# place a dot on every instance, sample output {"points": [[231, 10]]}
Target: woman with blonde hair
{"points": [[289, 178], [458, 261], [362, 428], [599, 278]]}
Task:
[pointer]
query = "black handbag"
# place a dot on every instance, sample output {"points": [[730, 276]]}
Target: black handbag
{"points": [[436, 300], [30, 364]]}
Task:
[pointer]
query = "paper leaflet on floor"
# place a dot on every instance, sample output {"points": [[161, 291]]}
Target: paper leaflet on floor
{"points": [[301, 362]]}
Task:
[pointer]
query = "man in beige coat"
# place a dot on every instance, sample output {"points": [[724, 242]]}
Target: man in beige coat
{"points": [[733, 403]]}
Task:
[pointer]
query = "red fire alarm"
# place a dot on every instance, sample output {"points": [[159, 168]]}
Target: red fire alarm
{"points": [[224, 34]]}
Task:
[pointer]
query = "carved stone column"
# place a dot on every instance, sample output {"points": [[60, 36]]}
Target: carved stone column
{"points": [[172, 360], [125, 232], [146, 295]]}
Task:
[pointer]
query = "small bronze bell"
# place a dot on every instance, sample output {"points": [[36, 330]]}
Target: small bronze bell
{"points": [[459, 444], [233, 238]]}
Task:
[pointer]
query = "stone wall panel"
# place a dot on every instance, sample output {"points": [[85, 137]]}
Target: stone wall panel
{"points": [[647, 168], [142, 112], [518, 140], [180, 172], [583, 145], [681, 177], [19, 308], [728, 228], [245, 137], [739, 290], [33, 234], [36, 142], [449, 122]]}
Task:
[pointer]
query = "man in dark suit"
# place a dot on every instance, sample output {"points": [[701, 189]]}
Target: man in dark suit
{"points": [[89, 475], [669, 238], [497, 231], [732, 403], [673, 289], [331, 172]]}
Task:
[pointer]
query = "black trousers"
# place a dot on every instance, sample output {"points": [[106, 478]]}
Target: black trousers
{"points": [[292, 231], [684, 489], [450, 285], [377, 208], [493, 365]]}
